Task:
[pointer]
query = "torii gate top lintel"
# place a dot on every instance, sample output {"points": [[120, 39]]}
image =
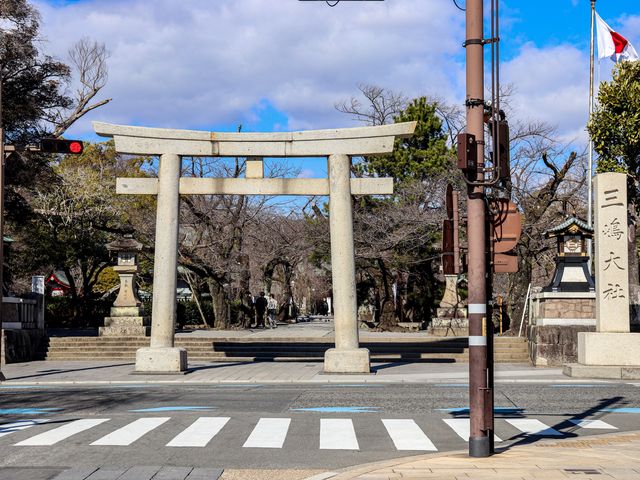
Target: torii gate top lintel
{"points": [[310, 143]]}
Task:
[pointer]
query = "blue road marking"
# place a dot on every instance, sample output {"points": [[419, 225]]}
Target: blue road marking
{"points": [[495, 410], [622, 410], [176, 408], [28, 411], [338, 409]]}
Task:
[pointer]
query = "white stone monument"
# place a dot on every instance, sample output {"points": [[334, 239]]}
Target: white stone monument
{"points": [[611, 351], [339, 145]]}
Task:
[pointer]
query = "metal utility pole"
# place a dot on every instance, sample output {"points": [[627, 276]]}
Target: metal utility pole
{"points": [[1, 219], [590, 172], [479, 393]]}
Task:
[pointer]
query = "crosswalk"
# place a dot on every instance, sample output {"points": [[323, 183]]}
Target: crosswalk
{"points": [[271, 433]]}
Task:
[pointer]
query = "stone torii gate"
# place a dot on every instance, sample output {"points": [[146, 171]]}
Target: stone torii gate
{"points": [[339, 145]]}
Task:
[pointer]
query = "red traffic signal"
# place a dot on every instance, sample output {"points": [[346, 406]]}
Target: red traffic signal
{"points": [[56, 145]]}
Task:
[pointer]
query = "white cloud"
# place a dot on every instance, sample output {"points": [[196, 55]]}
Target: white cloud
{"points": [[551, 85], [198, 63]]}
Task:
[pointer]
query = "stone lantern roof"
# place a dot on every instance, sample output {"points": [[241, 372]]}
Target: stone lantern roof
{"points": [[571, 226], [126, 243]]}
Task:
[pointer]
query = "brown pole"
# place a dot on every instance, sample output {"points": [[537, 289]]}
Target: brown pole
{"points": [[479, 441], [2, 345]]}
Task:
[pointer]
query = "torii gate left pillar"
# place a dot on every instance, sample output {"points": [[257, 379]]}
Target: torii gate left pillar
{"points": [[338, 145]]}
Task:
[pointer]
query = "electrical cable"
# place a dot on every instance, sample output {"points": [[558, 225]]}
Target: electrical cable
{"points": [[459, 7]]}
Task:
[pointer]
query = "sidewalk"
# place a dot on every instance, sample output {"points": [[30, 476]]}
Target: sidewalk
{"points": [[611, 456], [114, 372]]}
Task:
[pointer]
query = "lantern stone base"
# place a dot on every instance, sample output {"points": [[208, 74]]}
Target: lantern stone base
{"points": [[450, 326], [125, 327], [161, 360], [347, 361]]}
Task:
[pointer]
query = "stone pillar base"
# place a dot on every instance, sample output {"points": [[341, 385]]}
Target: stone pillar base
{"points": [[444, 327], [346, 361], [161, 360], [609, 349], [125, 327]]}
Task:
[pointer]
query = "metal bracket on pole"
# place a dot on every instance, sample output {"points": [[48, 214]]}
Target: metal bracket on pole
{"points": [[480, 41]]}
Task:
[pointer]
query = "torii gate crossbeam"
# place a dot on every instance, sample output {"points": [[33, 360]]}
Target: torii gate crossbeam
{"points": [[339, 145]]}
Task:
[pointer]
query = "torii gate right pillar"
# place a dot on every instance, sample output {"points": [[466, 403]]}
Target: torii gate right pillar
{"points": [[346, 357]]}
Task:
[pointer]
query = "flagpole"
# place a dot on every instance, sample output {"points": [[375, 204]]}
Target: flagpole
{"points": [[590, 177]]}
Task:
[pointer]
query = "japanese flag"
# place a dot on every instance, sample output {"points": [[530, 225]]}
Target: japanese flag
{"points": [[613, 45]]}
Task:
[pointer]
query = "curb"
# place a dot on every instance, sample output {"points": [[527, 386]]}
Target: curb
{"points": [[354, 472], [319, 381]]}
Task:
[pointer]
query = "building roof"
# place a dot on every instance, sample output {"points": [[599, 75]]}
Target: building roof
{"points": [[126, 243], [571, 225]]}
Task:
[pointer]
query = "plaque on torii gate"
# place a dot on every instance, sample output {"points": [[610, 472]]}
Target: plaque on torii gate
{"points": [[339, 145]]}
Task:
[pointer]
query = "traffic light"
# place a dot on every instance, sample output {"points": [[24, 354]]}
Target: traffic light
{"points": [[56, 145], [506, 228], [467, 153], [500, 138], [450, 236]]}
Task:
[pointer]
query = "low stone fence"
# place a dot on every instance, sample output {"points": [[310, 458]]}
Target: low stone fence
{"points": [[23, 334], [22, 313]]}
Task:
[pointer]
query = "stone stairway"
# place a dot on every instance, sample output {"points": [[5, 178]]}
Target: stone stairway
{"points": [[426, 349]]}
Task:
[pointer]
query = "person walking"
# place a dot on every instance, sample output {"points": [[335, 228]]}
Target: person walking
{"points": [[272, 307], [261, 307]]}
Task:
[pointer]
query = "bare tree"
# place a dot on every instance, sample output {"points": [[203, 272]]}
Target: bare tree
{"points": [[380, 108], [90, 60]]}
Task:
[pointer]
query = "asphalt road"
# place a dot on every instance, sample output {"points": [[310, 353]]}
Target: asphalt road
{"points": [[54, 427]]}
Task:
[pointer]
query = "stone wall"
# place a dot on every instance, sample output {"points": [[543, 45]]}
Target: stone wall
{"points": [[554, 345], [567, 308], [23, 345]]}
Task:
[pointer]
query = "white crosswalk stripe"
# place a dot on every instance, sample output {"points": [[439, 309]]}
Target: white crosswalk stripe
{"points": [[131, 432], [269, 433], [407, 435], [199, 433], [337, 434], [462, 427], [596, 424], [531, 426], [9, 428], [56, 435]]}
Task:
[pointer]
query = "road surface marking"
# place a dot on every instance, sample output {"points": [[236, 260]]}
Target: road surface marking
{"points": [[593, 424], [533, 427], [9, 428], [131, 432], [462, 427], [65, 431], [268, 433], [199, 433], [338, 409], [407, 435], [337, 434], [178, 408]]}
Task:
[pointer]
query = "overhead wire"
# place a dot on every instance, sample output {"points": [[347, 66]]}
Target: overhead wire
{"points": [[459, 7]]}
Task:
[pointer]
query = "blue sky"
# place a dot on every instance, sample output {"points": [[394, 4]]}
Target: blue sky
{"points": [[283, 64]]}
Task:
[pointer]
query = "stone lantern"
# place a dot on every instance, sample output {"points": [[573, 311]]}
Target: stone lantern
{"points": [[572, 260], [127, 313], [567, 306]]}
